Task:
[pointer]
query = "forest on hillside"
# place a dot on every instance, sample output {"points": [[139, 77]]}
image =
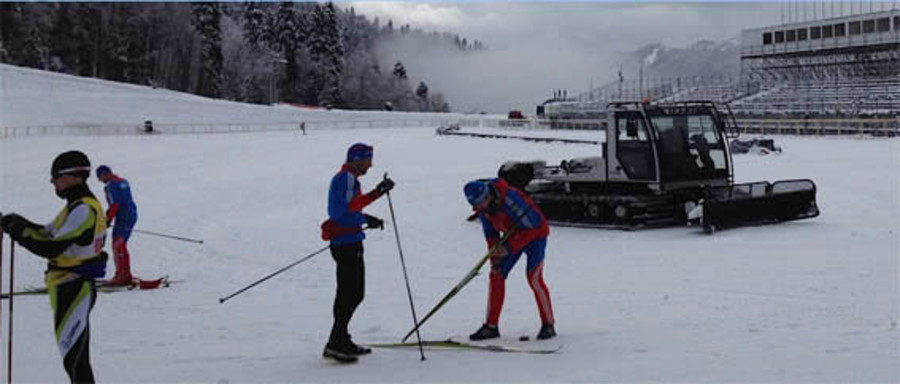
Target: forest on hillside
{"points": [[306, 53]]}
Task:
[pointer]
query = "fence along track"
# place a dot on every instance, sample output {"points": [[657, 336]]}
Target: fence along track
{"points": [[817, 127]]}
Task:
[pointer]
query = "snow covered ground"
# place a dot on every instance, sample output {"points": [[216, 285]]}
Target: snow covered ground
{"points": [[813, 301], [39, 98]]}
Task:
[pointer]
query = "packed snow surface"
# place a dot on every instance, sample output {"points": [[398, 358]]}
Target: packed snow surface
{"points": [[813, 300]]}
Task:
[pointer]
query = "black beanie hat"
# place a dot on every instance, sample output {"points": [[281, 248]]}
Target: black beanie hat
{"points": [[73, 163]]}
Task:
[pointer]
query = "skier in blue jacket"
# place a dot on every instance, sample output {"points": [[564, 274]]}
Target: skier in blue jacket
{"points": [[122, 215], [344, 229]]}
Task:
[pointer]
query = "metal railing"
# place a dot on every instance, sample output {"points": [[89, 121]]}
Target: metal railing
{"points": [[889, 127], [222, 127], [821, 127]]}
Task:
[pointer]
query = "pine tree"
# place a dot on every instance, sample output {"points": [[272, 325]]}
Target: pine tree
{"points": [[61, 46], [81, 52], [31, 47], [207, 23], [400, 71], [285, 39], [122, 52], [422, 90], [399, 92], [327, 53], [422, 94], [173, 56], [70, 39], [255, 23], [10, 30]]}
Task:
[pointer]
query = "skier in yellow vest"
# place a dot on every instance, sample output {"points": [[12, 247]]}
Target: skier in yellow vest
{"points": [[73, 246]]}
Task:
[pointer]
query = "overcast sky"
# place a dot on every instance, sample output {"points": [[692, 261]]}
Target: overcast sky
{"points": [[537, 47]]}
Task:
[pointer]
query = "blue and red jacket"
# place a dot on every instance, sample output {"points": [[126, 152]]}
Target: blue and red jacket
{"points": [[345, 205], [513, 204], [121, 203]]}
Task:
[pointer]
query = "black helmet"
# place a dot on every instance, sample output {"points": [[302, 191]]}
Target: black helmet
{"points": [[73, 163]]}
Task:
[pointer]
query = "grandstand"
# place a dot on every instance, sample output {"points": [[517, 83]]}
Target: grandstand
{"points": [[851, 97], [833, 68], [846, 66]]}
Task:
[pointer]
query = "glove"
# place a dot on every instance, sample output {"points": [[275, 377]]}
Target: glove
{"points": [[13, 224], [384, 186], [374, 222], [499, 252]]}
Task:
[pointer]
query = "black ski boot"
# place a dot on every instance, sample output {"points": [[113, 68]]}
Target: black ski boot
{"points": [[340, 352], [547, 332], [486, 331], [356, 349]]}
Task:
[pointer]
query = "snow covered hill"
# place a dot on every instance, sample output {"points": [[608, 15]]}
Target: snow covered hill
{"points": [[812, 301], [30, 97]]}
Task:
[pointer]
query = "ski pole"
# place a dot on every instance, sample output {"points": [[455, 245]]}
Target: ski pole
{"points": [[1, 271], [12, 264], [470, 275], [168, 236], [273, 274], [459, 286], [412, 307]]}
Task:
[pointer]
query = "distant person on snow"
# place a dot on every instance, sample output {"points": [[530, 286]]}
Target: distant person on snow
{"points": [[122, 215], [504, 208], [344, 229], [73, 246]]}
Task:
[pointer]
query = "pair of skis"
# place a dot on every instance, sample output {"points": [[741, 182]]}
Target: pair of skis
{"points": [[136, 284], [455, 344]]}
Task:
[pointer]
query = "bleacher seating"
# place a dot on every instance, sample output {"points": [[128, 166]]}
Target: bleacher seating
{"points": [[799, 98], [840, 97]]}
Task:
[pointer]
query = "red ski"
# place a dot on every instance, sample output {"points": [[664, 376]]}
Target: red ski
{"points": [[136, 283]]}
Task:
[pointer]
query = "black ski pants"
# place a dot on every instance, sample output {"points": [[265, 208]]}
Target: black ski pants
{"points": [[351, 287], [72, 304]]}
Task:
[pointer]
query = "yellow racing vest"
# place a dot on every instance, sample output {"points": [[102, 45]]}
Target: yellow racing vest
{"points": [[62, 228]]}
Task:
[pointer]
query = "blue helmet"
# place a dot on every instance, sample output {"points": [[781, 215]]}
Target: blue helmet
{"points": [[359, 151], [476, 191], [102, 170]]}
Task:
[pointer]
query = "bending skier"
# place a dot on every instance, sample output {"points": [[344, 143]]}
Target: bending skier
{"points": [[504, 208], [73, 246], [122, 215], [344, 229]]}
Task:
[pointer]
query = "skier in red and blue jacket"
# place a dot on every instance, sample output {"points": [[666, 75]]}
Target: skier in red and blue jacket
{"points": [[122, 215], [344, 229], [504, 208]]}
